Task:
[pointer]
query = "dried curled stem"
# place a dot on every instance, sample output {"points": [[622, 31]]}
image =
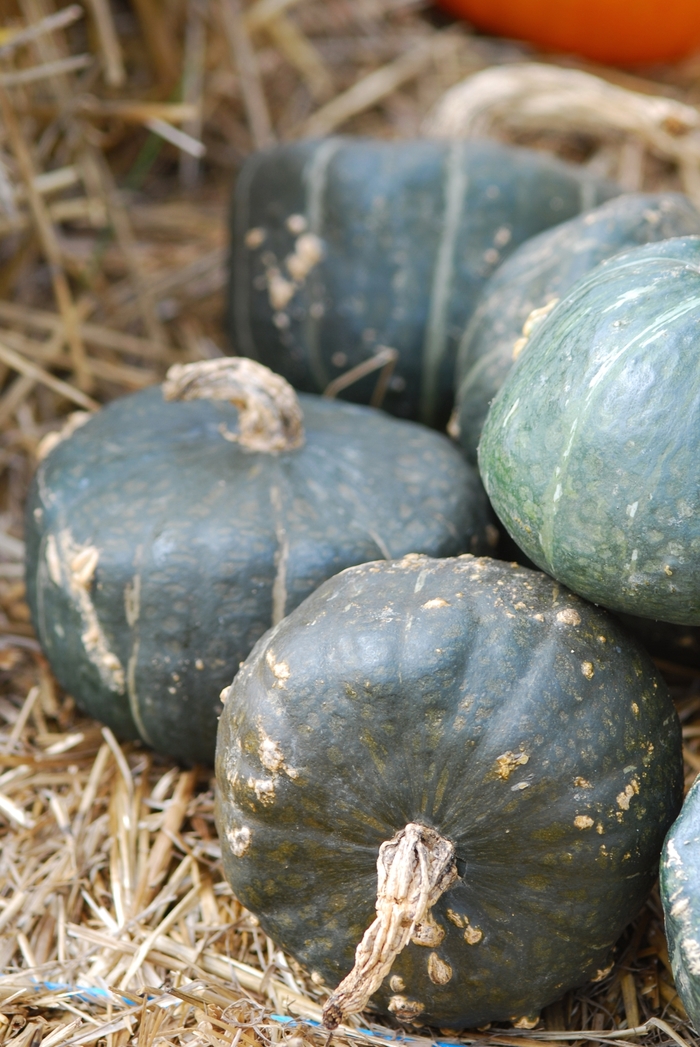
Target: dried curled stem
{"points": [[270, 418], [532, 95], [413, 871]]}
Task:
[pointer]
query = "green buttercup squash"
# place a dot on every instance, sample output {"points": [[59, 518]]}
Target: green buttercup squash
{"points": [[591, 450], [680, 896], [535, 277], [164, 536], [455, 772], [343, 245]]}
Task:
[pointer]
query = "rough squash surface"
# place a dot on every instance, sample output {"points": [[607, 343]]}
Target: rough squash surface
{"points": [[590, 452], [159, 549], [344, 245], [538, 274], [480, 705], [680, 895]]}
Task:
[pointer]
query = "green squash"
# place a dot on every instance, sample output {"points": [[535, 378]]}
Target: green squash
{"points": [[481, 707], [160, 548], [542, 270], [591, 450], [344, 245], [680, 896]]}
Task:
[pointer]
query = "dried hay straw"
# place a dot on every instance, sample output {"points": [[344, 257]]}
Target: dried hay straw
{"points": [[122, 126]]}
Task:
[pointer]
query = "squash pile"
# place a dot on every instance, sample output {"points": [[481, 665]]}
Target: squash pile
{"points": [[444, 781]]}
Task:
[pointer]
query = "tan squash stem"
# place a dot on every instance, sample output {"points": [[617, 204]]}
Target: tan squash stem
{"points": [[413, 871], [270, 418]]}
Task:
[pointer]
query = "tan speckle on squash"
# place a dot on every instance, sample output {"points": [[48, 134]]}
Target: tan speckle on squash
{"points": [[297, 223], [264, 789], [396, 983], [72, 567], [569, 616], [473, 935], [583, 821], [437, 602], [455, 918], [428, 932], [280, 291], [582, 783], [404, 1009], [439, 971], [630, 790], [279, 669], [254, 238], [507, 762], [239, 840], [308, 252], [270, 754], [587, 670]]}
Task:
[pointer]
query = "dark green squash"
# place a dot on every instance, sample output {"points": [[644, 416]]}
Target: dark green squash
{"points": [[680, 895], [344, 245], [591, 450], [540, 272], [477, 704], [159, 549]]}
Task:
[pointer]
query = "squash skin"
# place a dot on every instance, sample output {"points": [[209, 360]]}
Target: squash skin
{"points": [[679, 888], [202, 545], [370, 203], [542, 269], [388, 697], [589, 452]]}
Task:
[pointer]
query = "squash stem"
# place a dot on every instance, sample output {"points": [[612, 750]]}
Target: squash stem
{"points": [[270, 418], [414, 869]]}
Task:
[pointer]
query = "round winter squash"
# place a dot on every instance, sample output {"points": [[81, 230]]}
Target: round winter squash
{"points": [[345, 245], [680, 896], [623, 32], [531, 281], [476, 742], [590, 452], [165, 536]]}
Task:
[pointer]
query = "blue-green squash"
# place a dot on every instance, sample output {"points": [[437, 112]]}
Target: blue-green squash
{"points": [[591, 450], [465, 715], [165, 537], [680, 896], [343, 245], [542, 270]]}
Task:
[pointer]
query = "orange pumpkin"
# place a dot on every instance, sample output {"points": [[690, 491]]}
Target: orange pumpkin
{"points": [[621, 32]]}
